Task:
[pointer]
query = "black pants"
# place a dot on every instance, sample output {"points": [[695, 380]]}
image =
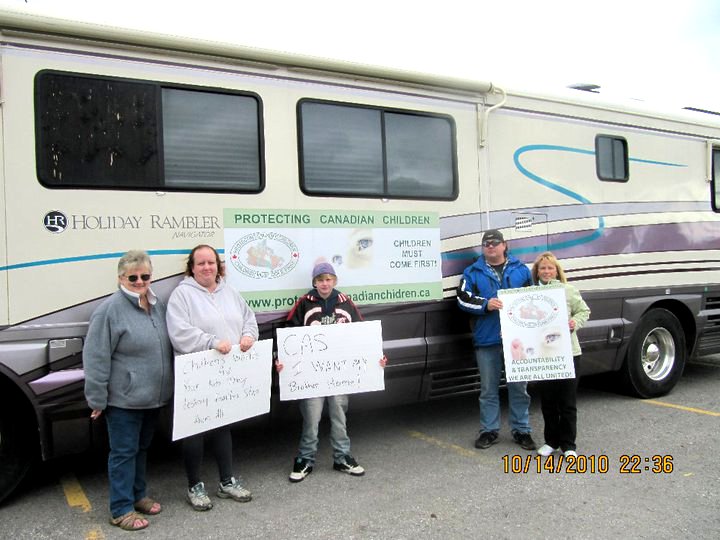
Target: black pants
{"points": [[558, 404], [221, 443]]}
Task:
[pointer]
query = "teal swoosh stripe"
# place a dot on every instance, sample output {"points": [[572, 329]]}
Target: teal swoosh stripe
{"points": [[99, 256], [567, 192]]}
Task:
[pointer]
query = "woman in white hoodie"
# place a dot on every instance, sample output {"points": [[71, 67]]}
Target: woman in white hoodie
{"points": [[204, 313]]}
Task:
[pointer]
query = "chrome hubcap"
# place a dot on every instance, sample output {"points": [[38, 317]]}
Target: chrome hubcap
{"points": [[658, 353]]}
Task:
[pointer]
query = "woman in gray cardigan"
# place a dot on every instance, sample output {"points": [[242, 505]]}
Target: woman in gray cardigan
{"points": [[127, 359]]}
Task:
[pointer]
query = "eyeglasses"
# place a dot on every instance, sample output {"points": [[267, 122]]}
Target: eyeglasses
{"points": [[491, 243], [134, 277]]}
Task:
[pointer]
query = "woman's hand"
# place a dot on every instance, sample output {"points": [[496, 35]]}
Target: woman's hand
{"points": [[224, 347], [278, 366], [246, 342], [571, 324], [383, 361], [95, 414]]}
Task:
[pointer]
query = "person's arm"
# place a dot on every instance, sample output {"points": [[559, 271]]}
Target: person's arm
{"points": [[185, 337], [469, 299], [250, 331], [297, 314], [99, 345], [579, 310]]}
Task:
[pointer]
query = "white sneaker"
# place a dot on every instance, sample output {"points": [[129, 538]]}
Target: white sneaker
{"points": [[233, 490], [546, 450], [569, 453], [198, 497]]}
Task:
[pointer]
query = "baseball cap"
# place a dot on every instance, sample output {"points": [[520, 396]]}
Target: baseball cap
{"points": [[493, 234]]}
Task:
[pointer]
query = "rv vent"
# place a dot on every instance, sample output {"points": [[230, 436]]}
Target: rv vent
{"points": [[524, 223]]}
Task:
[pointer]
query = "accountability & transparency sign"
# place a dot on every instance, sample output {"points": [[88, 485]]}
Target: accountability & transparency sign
{"points": [[329, 360], [213, 389], [379, 257], [536, 335]]}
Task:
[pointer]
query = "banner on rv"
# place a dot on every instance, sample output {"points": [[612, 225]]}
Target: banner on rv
{"points": [[380, 257]]}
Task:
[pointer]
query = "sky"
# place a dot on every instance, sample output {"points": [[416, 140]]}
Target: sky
{"points": [[658, 51]]}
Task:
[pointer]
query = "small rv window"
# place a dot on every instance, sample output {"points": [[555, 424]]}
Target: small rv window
{"points": [[716, 179], [611, 158], [350, 150], [107, 133]]}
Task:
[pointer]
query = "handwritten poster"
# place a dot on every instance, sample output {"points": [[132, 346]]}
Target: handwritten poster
{"points": [[327, 360], [536, 336], [213, 389]]}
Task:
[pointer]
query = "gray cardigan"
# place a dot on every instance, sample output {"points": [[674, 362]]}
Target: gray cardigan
{"points": [[127, 355]]}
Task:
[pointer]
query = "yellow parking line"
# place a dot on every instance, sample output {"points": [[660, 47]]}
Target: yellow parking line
{"points": [[442, 444], [74, 493], [681, 407]]}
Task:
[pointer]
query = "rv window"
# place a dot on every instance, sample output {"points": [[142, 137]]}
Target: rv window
{"points": [[716, 179], [96, 132], [611, 158], [351, 150]]}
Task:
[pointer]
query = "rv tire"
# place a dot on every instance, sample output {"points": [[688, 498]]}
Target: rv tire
{"points": [[16, 452], [656, 354]]}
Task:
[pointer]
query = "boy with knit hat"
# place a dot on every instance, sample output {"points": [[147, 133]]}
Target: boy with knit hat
{"points": [[324, 304]]}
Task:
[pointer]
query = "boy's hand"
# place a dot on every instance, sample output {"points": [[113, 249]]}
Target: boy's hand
{"points": [[383, 361], [278, 366]]}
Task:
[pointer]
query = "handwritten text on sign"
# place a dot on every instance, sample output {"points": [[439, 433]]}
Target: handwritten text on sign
{"points": [[329, 360], [213, 389]]}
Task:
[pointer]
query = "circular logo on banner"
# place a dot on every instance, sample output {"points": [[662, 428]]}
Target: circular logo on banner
{"points": [[533, 310], [264, 255]]}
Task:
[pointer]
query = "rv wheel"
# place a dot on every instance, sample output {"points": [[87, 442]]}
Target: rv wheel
{"points": [[656, 355], [15, 452]]}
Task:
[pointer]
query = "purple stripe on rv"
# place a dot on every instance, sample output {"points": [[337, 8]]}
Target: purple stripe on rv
{"points": [[662, 237]]}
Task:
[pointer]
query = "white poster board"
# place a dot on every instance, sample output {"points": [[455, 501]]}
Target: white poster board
{"points": [[329, 360], [213, 389], [536, 336]]}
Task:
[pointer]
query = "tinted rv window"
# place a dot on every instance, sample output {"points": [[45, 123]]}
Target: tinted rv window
{"points": [[369, 152], [611, 158], [97, 132]]}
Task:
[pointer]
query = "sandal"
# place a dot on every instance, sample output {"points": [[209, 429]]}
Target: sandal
{"points": [[148, 506], [128, 522]]}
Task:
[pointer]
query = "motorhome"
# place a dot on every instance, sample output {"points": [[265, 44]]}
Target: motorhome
{"points": [[115, 139]]}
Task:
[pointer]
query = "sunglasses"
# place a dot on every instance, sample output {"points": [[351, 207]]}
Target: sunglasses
{"points": [[491, 243], [134, 278]]}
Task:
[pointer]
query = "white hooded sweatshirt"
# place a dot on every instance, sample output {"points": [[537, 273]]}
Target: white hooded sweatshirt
{"points": [[198, 320]]}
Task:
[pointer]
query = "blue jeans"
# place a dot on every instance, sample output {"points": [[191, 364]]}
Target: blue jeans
{"points": [[130, 432], [490, 363], [311, 410]]}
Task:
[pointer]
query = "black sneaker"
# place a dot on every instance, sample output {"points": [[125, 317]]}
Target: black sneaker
{"points": [[524, 440], [486, 439], [349, 465], [301, 468]]}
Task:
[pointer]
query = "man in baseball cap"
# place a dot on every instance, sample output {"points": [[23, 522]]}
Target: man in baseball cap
{"points": [[477, 294]]}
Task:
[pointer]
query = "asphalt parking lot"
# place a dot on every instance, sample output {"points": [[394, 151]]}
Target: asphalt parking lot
{"points": [[426, 480]]}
